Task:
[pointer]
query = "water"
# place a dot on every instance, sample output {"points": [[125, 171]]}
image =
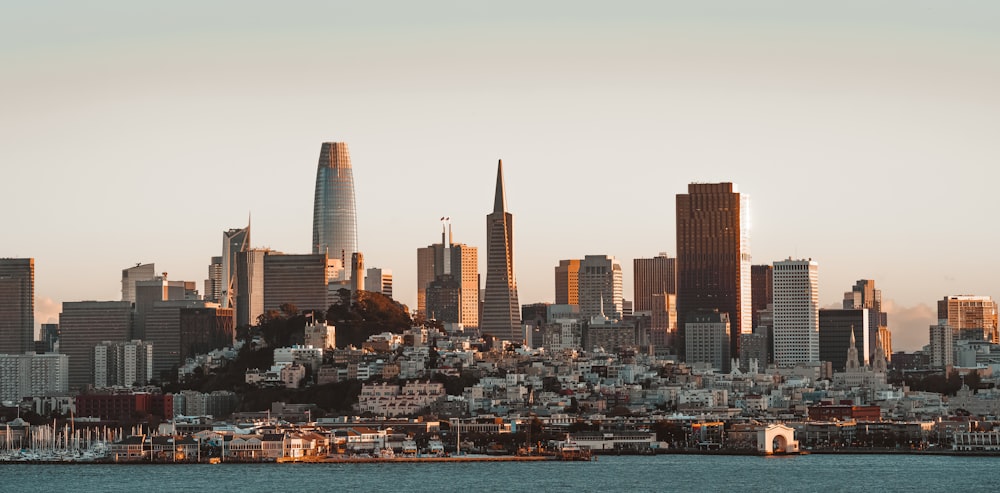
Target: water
{"points": [[826, 473]]}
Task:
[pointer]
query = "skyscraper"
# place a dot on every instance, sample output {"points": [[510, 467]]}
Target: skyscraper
{"points": [[85, 324], [863, 295], [600, 287], [461, 262], [335, 224], [713, 256], [299, 280], [250, 286], [567, 282], [838, 330], [762, 290], [234, 241], [970, 314], [213, 285], [796, 312], [657, 275], [501, 310], [17, 305]]}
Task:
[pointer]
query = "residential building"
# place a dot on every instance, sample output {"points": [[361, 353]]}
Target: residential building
{"points": [[123, 364], [942, 345], [33, 375], [713, 256]]}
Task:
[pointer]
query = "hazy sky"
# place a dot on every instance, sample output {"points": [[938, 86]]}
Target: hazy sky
{"points": [[865, 132]]}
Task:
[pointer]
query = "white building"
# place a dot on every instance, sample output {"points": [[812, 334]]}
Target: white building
{"points": [[320, 335], [378, 280], [302, 355], [31, 375], [796, 312], [707, 339], [599, 287], [942, 345], [123, 364]]}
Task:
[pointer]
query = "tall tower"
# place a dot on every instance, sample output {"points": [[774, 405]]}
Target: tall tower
{"points": [[460, 264], [713, 257], [17, 305], [657, 275], [796, 312], [234, 241], [335, 228], [501, 311]]}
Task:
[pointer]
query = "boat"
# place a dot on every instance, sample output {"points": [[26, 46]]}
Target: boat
{"points": [[572, 451]]}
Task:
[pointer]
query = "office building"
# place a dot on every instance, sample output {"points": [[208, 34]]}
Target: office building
{"points": [[49, 338], [863, 295], [335, 228], [378, 280], [300, 280], [707, 339], [123, 364], [713, 256], [501, 310], [214, 283], [599, 287], [567, 282], [651, 276], [17, 305], [150, 291], [140, 272], [796, 312], [234, 241], [182, 329], [250, 286], [965, 312], [461, 263], [837, 330], [762, 290], [85, 324]]}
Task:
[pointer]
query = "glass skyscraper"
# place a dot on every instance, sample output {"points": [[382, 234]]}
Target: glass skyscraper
{"points": [[335, 229]]}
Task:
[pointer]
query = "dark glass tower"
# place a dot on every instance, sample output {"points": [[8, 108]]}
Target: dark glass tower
{"points": [[17, 305], [335, 228], [501, 311]]}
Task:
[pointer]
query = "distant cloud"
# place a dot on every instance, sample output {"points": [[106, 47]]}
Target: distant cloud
{"points": [[909, 324], [46, 311]]}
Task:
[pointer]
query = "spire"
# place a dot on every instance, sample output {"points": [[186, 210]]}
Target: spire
{"points": [[500, 200]]}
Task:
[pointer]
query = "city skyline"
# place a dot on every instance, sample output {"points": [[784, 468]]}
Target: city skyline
{"points": [[844, 123]]}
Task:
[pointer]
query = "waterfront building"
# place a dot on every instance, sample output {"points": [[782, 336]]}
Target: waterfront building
{"points": [[140, 272], [300, 280], [567, 282], [450, 266], [335, 229], [379, 280], [123, 364], [863, 295], [234, 241], [838, 329], [250, 286], [33, 375], [942, 345], [713, 256], [707, 339], [501, 310], [83, 325], [796, 312], [652, 276], [17, 305], [600, 287], [963, 312]]}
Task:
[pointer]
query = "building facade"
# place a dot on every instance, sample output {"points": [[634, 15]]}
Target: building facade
{"points": [[796, 312], [600, 287], [250, 286], [708, 339], [942, 346], [713, 256], [33, 375], [567, 282], [460, 263], [300, 280], [17, 305], [964, 312], [379, 280], [335, 224], [501, 310], [863, 295], [234, 242], [123, 364], [762, 290], [836, 328], [141, 272], [85, 324], [651, 276]]}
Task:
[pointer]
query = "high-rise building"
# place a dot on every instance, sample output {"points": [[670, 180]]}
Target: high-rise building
{"points": [[150, 291], [379, 280], [501, 310], [335, 223], [713, 256], [663, 322], [762, 290], [83, 325], [652, 276], [33, 375], [300, 280], [182, 329], [141, 272], [214, 284], [796, 312], [965, 312], [838, 329], [123, 364], [461, 263], [707, 339], [600, 287], [17, 305], [567, 282], [234, 241], [50, 338], [942, 345], [863, 295], [250, 286]]}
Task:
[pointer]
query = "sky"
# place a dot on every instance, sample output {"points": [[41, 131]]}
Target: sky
{"points": [[864, 132]]}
